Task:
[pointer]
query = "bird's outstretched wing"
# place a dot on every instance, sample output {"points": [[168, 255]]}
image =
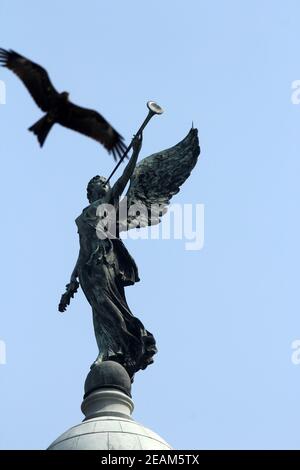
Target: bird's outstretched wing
{"points": [[155, 180], [34, 77], [92, 124]]}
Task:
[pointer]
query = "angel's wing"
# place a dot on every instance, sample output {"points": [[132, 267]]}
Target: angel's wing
{"points": [[155, 180]]}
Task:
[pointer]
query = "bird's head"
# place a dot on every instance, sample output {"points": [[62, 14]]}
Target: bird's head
{"points": [[97, 188], [65, 95]]}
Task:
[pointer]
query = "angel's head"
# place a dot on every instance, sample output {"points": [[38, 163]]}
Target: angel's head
{"points": [[97, 188]]}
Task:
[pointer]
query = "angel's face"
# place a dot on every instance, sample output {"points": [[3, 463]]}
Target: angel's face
{"points": [[98, 191]]}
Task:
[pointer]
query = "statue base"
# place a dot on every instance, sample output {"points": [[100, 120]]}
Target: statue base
{"points": [[108, 425]]}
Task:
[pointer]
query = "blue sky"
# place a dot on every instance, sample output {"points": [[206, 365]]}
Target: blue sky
{"points": [[224, 317]]}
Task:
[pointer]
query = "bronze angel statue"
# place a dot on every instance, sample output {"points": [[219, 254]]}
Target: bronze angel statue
{"points": [[104, 266]]}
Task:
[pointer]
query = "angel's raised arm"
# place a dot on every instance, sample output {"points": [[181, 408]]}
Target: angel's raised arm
{"points": [[121, 183]]}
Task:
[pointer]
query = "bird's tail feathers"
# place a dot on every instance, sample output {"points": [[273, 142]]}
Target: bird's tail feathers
{"points": [[41, 128]]}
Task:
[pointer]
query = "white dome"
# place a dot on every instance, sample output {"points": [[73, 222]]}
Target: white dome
{"points": [[108, 426], [109, 433]]}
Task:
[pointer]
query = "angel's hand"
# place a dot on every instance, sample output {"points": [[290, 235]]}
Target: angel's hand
{"points": [[137, 142], [73, 286]]}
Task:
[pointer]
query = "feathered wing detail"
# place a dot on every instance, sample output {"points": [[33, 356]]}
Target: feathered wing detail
{"points": [[155, 180], [92, 124], [34, 77]]}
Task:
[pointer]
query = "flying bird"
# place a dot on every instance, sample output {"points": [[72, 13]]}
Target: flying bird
{"points": [[58, 107]]}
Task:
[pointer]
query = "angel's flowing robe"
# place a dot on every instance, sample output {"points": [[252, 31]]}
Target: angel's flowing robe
{"points": [[105, 267]]}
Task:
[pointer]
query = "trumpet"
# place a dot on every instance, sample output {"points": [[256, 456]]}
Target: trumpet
{"points": [[154, 109]]}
